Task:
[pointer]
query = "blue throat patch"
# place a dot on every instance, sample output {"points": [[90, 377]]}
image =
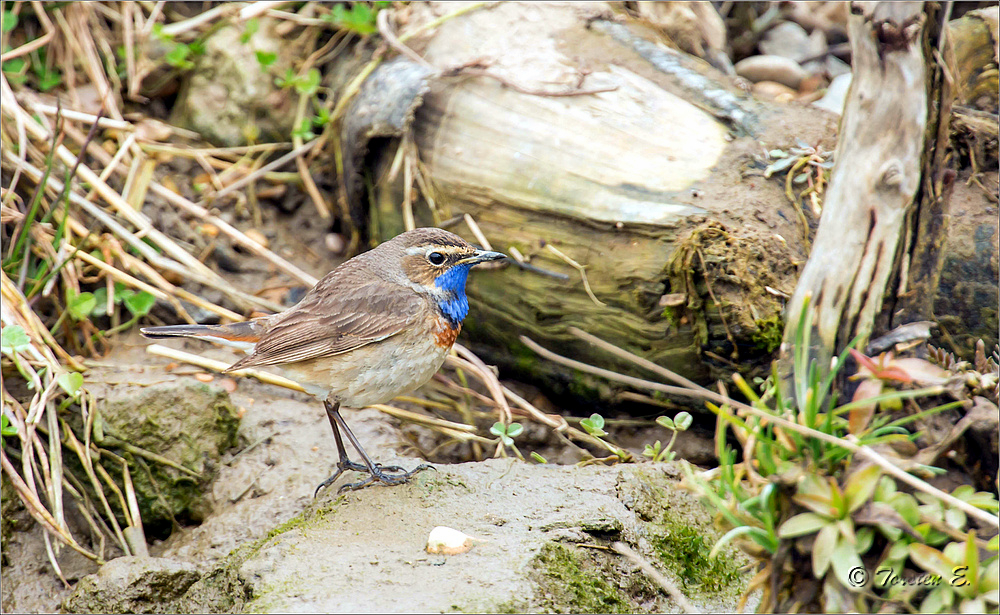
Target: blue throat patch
{"points": [[456, 307]]}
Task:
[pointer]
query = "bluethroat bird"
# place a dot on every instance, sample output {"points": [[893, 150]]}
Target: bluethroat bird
{"points": [[377, 326]]}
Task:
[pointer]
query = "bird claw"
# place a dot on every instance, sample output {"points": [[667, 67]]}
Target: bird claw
{"points": [[399, 475]]}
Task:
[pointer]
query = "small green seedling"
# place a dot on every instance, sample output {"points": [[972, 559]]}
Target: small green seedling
{"points": [[679, 423], [594, 425], [507, 433], [360, 18], [307, 84]]}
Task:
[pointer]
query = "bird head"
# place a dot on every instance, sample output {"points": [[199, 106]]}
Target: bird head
{"points": [[436, 263]]}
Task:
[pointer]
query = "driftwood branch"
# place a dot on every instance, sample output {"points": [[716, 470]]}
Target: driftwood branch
{"points": [[873, 185]]}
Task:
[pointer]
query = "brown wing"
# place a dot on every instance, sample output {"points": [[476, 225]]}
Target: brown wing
{"points": [[349, 308]]}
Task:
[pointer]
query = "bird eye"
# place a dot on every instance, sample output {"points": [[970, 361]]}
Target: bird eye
{"points": [[436, 258]]}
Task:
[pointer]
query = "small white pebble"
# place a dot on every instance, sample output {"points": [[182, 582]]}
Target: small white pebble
{"points": [[448, 541], [335, 242]]}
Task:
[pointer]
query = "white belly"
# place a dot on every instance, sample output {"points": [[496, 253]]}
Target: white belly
{"points": [[372, 374]]}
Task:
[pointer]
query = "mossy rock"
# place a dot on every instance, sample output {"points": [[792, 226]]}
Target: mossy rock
{"points": [[133, 585], [186, 422], [570, 581]]}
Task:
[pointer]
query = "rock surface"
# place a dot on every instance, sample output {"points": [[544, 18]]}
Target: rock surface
{"points": [[133, 585], [230, 98], [185, 421], [541, 532], [772, 68]]}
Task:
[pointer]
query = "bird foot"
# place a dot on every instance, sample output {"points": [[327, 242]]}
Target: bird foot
{"points": [[389, 475]]}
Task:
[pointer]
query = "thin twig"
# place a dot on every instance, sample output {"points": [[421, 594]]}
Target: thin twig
{"points": [[385, 29], [665, 584], [219, 366], [578, 267]]}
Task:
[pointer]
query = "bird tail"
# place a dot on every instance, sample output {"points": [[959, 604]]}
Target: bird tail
{"points": [[242, 335]]}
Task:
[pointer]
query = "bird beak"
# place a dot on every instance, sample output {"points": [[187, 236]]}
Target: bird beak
{"points": [[482, 256]]}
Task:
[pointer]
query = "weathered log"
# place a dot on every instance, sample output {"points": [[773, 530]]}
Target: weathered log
{"points": [[687, 248]]}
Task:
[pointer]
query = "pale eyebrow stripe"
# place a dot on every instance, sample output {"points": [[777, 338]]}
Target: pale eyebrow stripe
{"points": [[422, 250]]}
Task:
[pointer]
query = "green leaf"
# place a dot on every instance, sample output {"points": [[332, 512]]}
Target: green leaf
{"points": [[287, 80], [652, 450], [823, 547], [322, 117], [939, 600], [666, 422], [863, 540], [972, 557], [736, 532], [70, 382], [514, 430], [178, 55], [8, 21], [802, 524], [955, 518], [594, 425], [906, 505], [122, 292], [14, 339], [499, 429], [308, 83], [844, 559], [6, 428], [817, 504], [359, 18], [931, 560], [538, 457], [14, 66], [861, 486], [304, 131], [249, 30], [266, 58], [683, 420], [140, 303], [80, 306], [49, 79], [101, 301]]}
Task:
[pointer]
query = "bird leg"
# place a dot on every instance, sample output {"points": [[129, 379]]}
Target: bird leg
{"points": [[376, 471]]}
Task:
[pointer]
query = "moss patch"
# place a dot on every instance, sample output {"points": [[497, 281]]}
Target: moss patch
{"points": [[568, 584], [680, 532], [684, 551], [768, 335]]}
